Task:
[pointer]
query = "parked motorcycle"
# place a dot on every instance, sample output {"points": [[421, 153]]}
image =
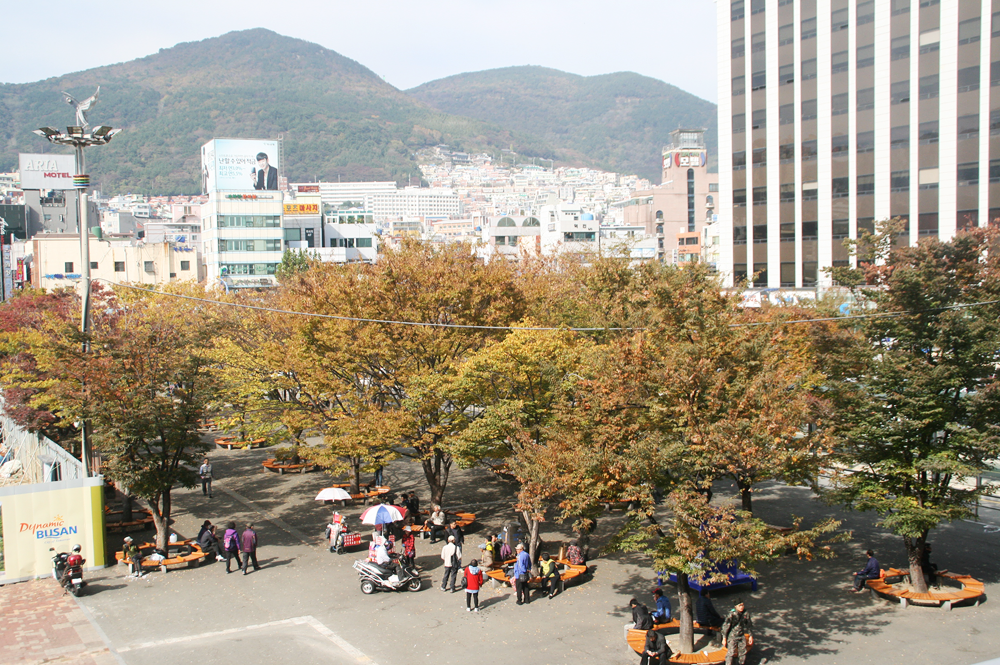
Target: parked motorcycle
{"points": [[386, 578], [67, 569]]}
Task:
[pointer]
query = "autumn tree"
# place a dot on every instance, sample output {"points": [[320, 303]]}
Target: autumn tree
{"points": [[918, 420], [142, 386], [402, 377]]}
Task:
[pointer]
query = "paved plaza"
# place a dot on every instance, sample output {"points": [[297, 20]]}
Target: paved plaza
{"points": [[305, 605]]}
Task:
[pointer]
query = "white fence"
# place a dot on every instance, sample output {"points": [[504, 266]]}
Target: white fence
{"points": [[32, 458]]}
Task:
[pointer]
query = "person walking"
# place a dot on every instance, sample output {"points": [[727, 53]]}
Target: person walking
{"points": [[473, 582], [521, 574], [248, 545], [737, 633], [205, 472], [231, 543], [449, 554]]}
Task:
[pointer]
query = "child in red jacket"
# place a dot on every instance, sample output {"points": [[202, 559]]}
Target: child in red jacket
{"points": [[473, 581]]}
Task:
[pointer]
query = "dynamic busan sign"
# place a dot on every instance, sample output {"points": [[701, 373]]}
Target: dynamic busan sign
{"points": [[54, 529]]}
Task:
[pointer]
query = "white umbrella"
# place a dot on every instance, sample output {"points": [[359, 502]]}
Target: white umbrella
{"points": [[381, 514], [333, 494]]}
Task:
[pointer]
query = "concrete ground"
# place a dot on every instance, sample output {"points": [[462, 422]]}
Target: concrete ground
{"points": [[305, 605]]}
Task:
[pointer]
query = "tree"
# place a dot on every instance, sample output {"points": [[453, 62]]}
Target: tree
{"points": [[293, 262], [142, 386], [918, 419], [403, 377]]}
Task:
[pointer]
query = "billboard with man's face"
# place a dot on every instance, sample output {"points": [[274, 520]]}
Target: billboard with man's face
{"points": [[239, 165]]}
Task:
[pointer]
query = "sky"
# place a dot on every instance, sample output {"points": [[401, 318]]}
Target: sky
{"points": [[405, 42]]}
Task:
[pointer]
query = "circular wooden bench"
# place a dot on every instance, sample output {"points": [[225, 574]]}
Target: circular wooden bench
{"points": [[180, 561], [273, 464], [570, 572], [971, 590], [637, 640], [230, 442]]}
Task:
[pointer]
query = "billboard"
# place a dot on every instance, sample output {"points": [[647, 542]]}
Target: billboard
{"points": [[301, 209], [240, 165], [46, 171]]}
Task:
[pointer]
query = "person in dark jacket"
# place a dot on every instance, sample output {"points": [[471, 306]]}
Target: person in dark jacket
{"points": [[248, 545], [210, 543], [655, 651], [707, 614], [869, 572], [640, 615]]}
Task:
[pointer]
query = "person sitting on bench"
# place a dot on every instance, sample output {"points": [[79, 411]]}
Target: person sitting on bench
{"points": [[869, 572], [708, 616]]}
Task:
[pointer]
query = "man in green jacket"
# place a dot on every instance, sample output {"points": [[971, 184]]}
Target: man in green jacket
{"points": [[737, 633]]}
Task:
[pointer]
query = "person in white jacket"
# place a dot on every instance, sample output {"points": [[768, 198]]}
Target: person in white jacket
{"points": [[452, 562]]}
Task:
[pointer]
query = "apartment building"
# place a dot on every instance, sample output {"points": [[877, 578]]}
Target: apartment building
{"points": [[834, 114], [243, 238]]}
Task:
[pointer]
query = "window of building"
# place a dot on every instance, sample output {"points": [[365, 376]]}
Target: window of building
{"points": [[900, 6], [756, 6], [786, 193], [968, 173], [838, 62], [786, 114], [739, 123], [93, 265], [759, 233], [839, 144], [841, 228], [810, 230], [929, 86], [866, 224], [994, 175], [760, 157], [927, 132], [759, 195], [995, 32], [866, 56], [838, 20], [690, 192], [119, 266], [928, 178], [506, 221], [808, 28], [809, 69], [968, 79], [967, 219], [786, 152], [739, 47], [740, 195], [148, 266], [899, 137], [248, 221], [840, 187], [927, 224], [899, 181], [247, 245], [739, 235], [185, 266], [968, 126], [737, 10], [759, 119], [786, 74], [291, 234], [739, 85], [810, 191], [786, 34], [839, 104], [786, 232], [739, 160], [809, 150], [968, 31], [809, 109], [248, 268], [758, 80], [363, 242], [757, 42], [531, 222], [866, 12], [900, 48], [866, 99], [899, 92], [68, 266], [866, 141], [713, 186], [866, 184]]}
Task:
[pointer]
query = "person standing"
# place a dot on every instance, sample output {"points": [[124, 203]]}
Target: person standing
{"points": [[455, 530], [449, 554], [231, 543], [414, 506], [248, 545], [205, 472], [737, 633], [473, 582], [522, 572], [379, 477], [409, 546], [869, 572]]}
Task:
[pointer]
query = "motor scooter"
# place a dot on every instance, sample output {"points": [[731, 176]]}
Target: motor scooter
{"points": [[68, 573], [392, 577]]}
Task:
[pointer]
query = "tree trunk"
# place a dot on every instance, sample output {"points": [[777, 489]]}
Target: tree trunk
{"points": [[295, 455], [160, 507], [534, 536], [436, 470], [126, 508], [355, 475], [685, 614], [745, 497], [915, 553]]}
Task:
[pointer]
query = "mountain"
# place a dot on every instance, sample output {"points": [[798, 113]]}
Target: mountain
{"points": [[338, 118], [618, 122]]}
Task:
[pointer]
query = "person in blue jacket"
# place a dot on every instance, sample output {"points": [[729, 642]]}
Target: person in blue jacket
{"points": [[869, 572], [662, 612], [522, 572]]}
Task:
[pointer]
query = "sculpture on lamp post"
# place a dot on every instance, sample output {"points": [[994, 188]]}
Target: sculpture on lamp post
{"points": [[82, 107]]}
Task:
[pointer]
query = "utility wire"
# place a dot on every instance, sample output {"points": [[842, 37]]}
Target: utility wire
{"points": [[540, 328]]}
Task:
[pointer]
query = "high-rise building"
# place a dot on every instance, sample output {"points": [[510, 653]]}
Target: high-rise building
{"points": [[836, 113]]}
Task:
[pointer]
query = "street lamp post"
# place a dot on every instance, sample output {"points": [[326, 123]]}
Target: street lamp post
{"points": [[79, 137]]}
